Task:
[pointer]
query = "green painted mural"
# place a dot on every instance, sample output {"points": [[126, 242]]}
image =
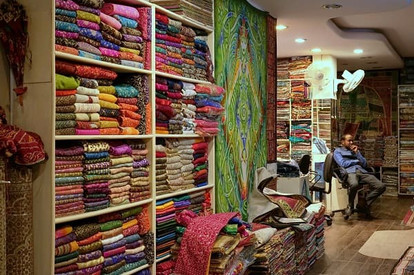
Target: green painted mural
{"points": [[240, 67]]}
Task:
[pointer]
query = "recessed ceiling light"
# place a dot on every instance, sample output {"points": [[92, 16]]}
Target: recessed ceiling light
{"points": [[281, 27], [358, 51], [316, 50], [300, 40], [331, 6]]}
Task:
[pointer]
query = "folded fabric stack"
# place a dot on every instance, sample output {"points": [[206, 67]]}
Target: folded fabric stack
{"points": [[164, 106], [141, 84], [113, 243], [162, 186], [126, 44], [175, 124], [301, 109], [173, 166], [283, 150], [165, 268], [140, 183], [299, 90], [315, 215], [88, 238], [298, 65], [128, 118], [88, 19], [202, 58], [66, 29], [186, 151], [223, 253], [120, 169], [68, 180], [311, 246], [283, 90], [300, 137], [165, 228], [134, 243], [282, 129], [188, 52], [200, 162], [188, 108], [66, 87], [96, 174], [283, 68], [301, 252], [209, 109], [390, 178], [197, 10], [391, 151], [180, 51], [66, 250], [85, 107]]}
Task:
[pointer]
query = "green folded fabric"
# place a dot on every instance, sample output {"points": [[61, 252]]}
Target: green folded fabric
{"points": [[231, 229], [131, 212], [59, 259], [66, 82], [110, 225]]}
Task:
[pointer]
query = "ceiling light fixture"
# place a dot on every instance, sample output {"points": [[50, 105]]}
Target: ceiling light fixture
{"points": [[281, 27], [331, 6], [316, 50], [358, 51], [300, 40]]}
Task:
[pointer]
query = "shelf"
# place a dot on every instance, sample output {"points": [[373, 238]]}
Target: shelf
{"points": [[163, 258], [407, 129], [88, 61], [192, 190], [405, 107], [177, 136], [282, 139], [303, 119], [133, 271], [185, 79], [187, 21], [100, 212], [83, 137]]}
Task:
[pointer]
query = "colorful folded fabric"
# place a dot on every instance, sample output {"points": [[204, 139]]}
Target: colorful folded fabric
{"points": [[111, 21], [127, 11]]}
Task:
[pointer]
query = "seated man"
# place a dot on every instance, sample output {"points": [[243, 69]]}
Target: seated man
{"points": [[349, 157]]}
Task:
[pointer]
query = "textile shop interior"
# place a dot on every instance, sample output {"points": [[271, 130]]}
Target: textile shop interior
{"points": [[198, 137]]}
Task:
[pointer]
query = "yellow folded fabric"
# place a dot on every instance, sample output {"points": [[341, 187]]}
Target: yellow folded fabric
{"points": [[108, 97], [107, 89], [123, 49], [108, 105], [84, 15]]}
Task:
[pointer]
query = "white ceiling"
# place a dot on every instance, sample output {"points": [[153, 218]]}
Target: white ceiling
{"points": [[384, 29]]}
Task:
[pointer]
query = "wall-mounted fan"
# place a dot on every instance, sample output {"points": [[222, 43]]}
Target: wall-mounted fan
{"points": [[324, 83]]}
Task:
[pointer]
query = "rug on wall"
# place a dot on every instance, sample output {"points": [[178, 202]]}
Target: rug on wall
{"points": [[240, 60]]}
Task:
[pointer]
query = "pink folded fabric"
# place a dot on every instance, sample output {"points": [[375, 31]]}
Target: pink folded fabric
{"points": [[127, 11], [132, 38], [66, 5], [64, 34], [109, 52], [87, 24], [115, 251], [110, 21], [87, 131]]}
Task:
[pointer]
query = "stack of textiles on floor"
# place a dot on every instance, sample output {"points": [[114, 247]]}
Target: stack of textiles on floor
{"points": [[161, 184], [301, 250], [165, 268], [140, 183], [69, 180], [406, 162], [169, 119], [390, 151], [315, 216], [120, 168], [181, 50], [108, 32], [276, 254], [66, 250], [390, 178], [109, 244], [405, 265], [197, 10], [209, 109], [97, 175]]}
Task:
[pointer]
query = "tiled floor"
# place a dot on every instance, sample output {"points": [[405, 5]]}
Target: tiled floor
{"points": [[344, 238]]}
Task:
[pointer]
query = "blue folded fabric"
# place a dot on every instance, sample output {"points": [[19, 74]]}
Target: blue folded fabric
{"points": [[96, 155], [66, 26], [114, 245], [126, 91], [131, 63], [132, 238], [89, 55], [109, 45], [126, 22], [113, 259], [65, 12], [68, 179], [92, 34]]}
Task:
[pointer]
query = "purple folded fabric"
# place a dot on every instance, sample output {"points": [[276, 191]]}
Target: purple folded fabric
{"points": [[89, 270], [127, 11], [67, 5], [98, 203], [113, 259], [65, 239], [70, 151], [132, 38], [87, 24], [120, 150], [71, 35], [110, 21], [131, 258], [140, 163], [109, 52], [89, 9], [92, 200], [134, 244], [96, 185], [87, 131], [88, 48], [90, 256], [113, 252]]}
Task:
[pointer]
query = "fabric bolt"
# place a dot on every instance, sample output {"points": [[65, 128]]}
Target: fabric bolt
{"points": [[111, 21], [88, 24], [88, 40], [109, 38], [113, 259], [115, 251], [107, 89], [130, 50], [89, 33], [111, 59], [65, 12], [66, 5], [88, 16], [90, 10], [84, 249], [96, 4], [90, 263], [131, 63], [90, 256], [67, 34], [126, 22], [65, 49], [84, 46], [66, 26], [110, 45], [111, 31], [115, 269], [127, 11], [109, 52], [131, 31]]}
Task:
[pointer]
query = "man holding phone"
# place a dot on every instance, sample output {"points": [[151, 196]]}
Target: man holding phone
{"points": [[350, 158]]}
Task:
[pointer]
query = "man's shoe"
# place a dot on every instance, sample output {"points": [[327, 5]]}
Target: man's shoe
{"points": [[348, 211]]}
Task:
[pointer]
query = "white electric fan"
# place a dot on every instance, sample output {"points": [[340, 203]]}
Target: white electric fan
{"points": [[324, 84]]}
